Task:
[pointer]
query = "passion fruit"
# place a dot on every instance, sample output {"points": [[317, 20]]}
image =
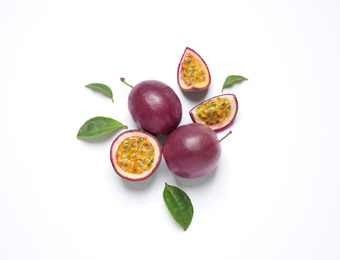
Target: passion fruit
{"points": [[217, 112], [192, 151], [193, 73], [135, 155], [154, 106]]}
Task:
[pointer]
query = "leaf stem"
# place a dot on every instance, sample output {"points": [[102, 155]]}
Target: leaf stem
{"points": [[123, 80], [225, 136]]}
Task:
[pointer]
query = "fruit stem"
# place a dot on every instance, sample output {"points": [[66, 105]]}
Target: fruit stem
{"points": [[225, 136], [123, 80]]}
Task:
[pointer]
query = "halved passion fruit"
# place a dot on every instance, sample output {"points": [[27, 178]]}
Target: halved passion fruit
{"points": [[135, 155], [217, 112], [193, 73]]}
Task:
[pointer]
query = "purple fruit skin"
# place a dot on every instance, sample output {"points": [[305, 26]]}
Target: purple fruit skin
{"points": [[192, 151], [155, 107]]}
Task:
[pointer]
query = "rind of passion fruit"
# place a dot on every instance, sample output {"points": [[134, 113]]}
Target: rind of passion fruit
{"points": [[155, 107], [135, 155], [193, 73], [217, 112], [192, 151]]}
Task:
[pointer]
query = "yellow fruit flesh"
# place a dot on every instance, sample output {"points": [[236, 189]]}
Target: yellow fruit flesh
{"points": [[135, 155], [192, 70], [214, 111]]}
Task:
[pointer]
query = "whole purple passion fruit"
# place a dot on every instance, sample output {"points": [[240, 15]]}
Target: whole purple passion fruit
{"points": [[154, 106], [193, 73], [135, 155], [217, 112], [192, 150]]}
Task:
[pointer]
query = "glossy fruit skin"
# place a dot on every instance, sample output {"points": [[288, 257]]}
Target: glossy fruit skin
{"points": [[224, 124], [117, 142], [155, 107], [193, 88], [192, 151]]}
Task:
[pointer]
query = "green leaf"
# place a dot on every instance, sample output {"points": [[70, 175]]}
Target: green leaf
{"points": [[99, 125], [101, 87], [230, 80], [179, 205]]}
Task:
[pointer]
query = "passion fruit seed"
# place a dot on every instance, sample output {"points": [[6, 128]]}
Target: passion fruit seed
{"points": [[192, 71], [135, 155], [214, 111]]}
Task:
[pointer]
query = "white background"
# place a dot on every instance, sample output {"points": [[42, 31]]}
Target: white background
{"points": [[275, 193]]}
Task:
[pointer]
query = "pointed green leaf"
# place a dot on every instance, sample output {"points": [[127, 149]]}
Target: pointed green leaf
{"points": [[179, 205], [101, 87], [99, 125], [230, 80]]}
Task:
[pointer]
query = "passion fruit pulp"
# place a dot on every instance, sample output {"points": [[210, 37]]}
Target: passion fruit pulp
{"points": [[154, 107], [217, 112], [193, 73], [135, 155], [192, 151]]}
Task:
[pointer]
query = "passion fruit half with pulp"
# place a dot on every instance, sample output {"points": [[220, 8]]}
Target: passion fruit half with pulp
{"points": [[135, 155], [217, 112], [193, 73]]}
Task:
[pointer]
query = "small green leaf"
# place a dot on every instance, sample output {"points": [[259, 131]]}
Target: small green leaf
{"points": [[101, 87], [99, 125], [230, 80], [179, 205]]}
